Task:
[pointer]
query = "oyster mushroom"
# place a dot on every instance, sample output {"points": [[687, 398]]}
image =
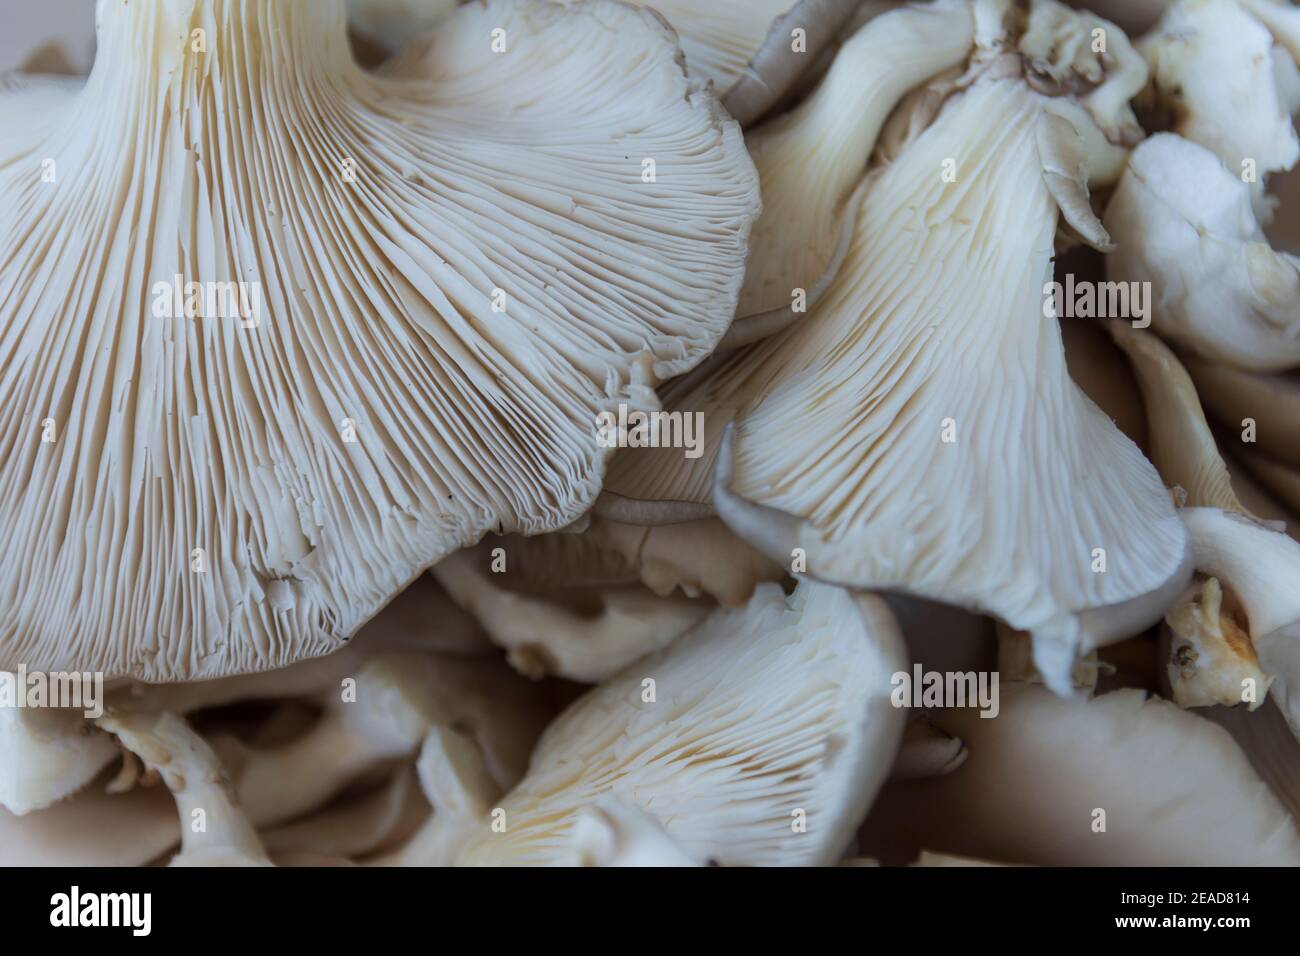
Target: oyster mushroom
{"points": [[894, 435], [93, 828], [701, 557], [382, 717], [1183, 222], [812, 160], [752, 50], [1229, 86], [461, 792], [1115, 780], [370, 823], [757, 738], [1181, 443], [1260, 568], [415, 293]]}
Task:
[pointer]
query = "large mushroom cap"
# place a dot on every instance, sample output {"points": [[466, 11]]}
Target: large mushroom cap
{"points": [[918, 431], [759, 739], [415, 294]]}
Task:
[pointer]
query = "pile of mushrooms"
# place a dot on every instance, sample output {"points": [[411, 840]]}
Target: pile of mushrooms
{"points": [[549, 432]]}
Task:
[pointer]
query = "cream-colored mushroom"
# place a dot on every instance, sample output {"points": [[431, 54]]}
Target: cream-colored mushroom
{"points": [[461, 792], [612, 627], [895, 433], [47, 755], [1183, 222], [215, 831], [757, 738], [1115, 780], [1230, 88], [812, 160], [373, 316], [356, 828], [381, 717]]}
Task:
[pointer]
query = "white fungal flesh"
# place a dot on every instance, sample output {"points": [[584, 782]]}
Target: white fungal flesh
{"points": [[1043, 779], [769, 729], [810, 160], [1183, 222], [434, 339], [901, 426]]}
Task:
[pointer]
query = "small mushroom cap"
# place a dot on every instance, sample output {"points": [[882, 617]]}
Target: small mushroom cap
{"points": [[447, 271], [1231, 89], [1047, 774], [758, 738], [1183, 222]]}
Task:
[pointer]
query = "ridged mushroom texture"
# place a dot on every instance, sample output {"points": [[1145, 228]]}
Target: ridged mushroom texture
{"points": [[278, 334], [757, 738], [893, 436]]}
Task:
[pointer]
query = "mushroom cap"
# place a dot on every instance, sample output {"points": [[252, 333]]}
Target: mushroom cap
{"points": [[897, 434], [222, 499], [1175, 789], [1183, 222], [1216, 67], [758, 713]]}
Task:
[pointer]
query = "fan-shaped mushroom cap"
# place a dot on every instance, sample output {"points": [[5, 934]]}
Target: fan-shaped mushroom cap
{"points": [[454, 267], [896, 433], [1183, 222], [758, 738], [1231, 89], [1169, 787]]}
